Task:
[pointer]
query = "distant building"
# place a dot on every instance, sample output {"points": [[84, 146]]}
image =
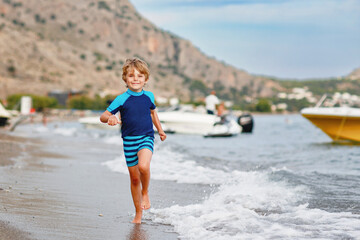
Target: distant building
{"points": [[107, 92], [63, 96], [298, 94], [161, 100], [174, 101]]}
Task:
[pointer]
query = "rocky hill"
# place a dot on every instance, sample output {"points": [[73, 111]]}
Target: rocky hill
{"points": [[354, 75], [66, 44]]}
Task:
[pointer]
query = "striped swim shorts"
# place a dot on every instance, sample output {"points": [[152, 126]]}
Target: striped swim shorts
{"points": [[133, 144]]}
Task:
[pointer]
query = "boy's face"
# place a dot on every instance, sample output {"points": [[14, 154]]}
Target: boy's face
{"points": [[135, 80]]}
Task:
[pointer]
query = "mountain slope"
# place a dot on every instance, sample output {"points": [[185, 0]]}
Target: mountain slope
{"points": [[354, 75], [82, 44]]}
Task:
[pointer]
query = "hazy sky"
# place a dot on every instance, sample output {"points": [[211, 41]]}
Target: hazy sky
{"points": [[282, 38]]}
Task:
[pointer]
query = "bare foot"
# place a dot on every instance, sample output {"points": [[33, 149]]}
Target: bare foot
{"points": [[145, 201], [137, 218]]}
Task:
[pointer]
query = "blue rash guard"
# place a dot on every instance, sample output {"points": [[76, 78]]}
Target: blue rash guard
{"points": [[135, 112]]}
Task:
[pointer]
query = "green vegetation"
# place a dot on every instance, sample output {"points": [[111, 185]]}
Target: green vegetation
{"points": [[12, 70], [40, 35], [197, 86], [83, 102], [39, 102], [17, 4], [18, 22], [98, 56], [263, 105], [45, 79], [39, 19], [103, 5], [71, 24], [219, 87], [146, 28], [76, 102], [322, 86], [162, 74], [80, 102]]}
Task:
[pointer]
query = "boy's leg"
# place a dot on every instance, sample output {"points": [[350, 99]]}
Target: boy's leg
{"points": [[144, 156], [135, 182]]}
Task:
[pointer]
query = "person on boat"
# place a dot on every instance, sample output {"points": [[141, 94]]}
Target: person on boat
{"points": [[137, 116], [221, 109], [210, 102]]}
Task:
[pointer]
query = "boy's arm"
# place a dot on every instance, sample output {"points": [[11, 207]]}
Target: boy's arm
{"points": [[109, 118], [156, 121]]}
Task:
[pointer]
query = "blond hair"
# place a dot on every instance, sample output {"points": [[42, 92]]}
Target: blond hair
{"points": [[138, 64]]}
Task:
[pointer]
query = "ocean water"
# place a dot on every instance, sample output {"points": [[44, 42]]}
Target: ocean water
{"points": [[286, 180]]}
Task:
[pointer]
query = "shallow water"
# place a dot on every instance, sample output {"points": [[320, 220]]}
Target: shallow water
{"points": [[287, 180]]}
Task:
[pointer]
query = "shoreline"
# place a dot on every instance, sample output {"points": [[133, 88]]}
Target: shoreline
{"points": [[52, 190], [10, 148]]}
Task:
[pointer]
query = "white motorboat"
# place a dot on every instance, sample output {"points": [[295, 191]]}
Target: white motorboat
{"points": [[227, 127], [94, 123], [4, 116], [186, 121]]}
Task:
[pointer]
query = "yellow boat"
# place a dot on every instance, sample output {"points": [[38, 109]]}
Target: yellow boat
{"points": [[339, 123]]}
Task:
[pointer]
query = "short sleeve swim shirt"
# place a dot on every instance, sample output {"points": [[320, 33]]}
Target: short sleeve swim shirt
{"points": [[135, 112]]}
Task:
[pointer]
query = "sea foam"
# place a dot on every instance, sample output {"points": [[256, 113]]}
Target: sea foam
{"points": [[246, 205]]}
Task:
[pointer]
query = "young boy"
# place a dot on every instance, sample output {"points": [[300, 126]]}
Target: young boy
{"points": [[137, 116]]}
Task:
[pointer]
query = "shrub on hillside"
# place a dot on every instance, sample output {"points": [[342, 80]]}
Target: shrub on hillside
{"points": [[263, 106], [38, 102]]}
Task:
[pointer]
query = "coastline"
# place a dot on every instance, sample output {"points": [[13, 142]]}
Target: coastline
{"points": [[9, 149], [51, 190]]}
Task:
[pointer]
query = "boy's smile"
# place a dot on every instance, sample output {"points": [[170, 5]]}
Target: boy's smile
{"points": [[135, 80]]}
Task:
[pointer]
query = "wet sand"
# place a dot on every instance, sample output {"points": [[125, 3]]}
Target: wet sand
{"points": [[51, 191], [10, 147]]}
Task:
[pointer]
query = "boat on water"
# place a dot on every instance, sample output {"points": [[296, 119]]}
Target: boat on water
{"points": [[339, 123], [94, 123], [4, 116], [199, 123], [226, 127], [186, 121]]}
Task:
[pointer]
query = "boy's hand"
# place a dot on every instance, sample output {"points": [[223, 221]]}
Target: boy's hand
{"points": [[113, 120], [162, 135]]}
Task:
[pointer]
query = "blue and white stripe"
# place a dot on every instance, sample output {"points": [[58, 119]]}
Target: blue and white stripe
{"points": [[133, 144]]}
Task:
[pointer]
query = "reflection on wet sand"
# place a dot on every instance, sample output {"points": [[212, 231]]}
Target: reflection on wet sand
{"points": [[137, 233]]}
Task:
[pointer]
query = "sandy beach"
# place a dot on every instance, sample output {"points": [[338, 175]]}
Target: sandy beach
{"points": [[10, 148], [50, 191]]}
